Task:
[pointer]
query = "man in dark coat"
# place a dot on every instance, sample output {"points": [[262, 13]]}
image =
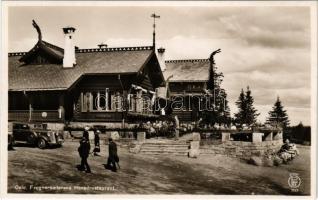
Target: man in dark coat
{"points": [[112, 157], [85, 133], [97, 144], [83, 151]]}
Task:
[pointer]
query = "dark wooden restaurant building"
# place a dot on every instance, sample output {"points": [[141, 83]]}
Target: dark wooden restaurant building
{"points": [[122, 84]]}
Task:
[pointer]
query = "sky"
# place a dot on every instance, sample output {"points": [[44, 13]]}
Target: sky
{"points": [[266, 48]]}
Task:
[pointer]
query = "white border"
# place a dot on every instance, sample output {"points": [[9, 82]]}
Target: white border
{"points": [[4, 89]]}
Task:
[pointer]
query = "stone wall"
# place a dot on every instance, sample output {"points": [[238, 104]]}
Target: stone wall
{"points": [[55, 126], [244, 149]]}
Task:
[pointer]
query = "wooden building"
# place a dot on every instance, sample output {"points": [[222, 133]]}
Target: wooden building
{"points": [[51, 84], [187, 87]]}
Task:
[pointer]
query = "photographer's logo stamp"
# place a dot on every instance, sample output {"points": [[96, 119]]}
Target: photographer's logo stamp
{"points": [[294, 182]]}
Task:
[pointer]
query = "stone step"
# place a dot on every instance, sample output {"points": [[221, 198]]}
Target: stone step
{"points": [[166, 153], [177, 146], [163, 150], [166, 144], [161, 146]]}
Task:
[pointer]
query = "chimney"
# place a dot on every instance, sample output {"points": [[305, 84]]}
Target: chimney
{"points": [[69, 48], [161, 58]]}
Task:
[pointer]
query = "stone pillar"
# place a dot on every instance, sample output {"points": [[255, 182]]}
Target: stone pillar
{"points": [[225, 136], [269, 137], [257, 137], [141, 136], [196, 136], [194, 149], [278, 136]]}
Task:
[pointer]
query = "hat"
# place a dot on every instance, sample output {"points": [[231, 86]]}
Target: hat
{"points": [[86, 128]]}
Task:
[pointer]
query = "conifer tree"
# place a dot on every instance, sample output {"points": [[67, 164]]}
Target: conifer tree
{"points": [[278, 116], [241, 104], [246, 114], [251, 112]]}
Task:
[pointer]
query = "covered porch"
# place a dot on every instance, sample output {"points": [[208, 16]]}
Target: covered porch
{"points": [[40, 106]]}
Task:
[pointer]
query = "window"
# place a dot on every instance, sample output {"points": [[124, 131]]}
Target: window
{"points": [[101, 101], [146, 104], [132, 102], [116, 101]]}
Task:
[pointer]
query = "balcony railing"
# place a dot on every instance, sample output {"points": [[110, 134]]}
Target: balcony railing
{"points": [[36, 115]]}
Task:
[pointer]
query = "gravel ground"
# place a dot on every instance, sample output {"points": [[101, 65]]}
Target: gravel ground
{"points": [[32, 170]]}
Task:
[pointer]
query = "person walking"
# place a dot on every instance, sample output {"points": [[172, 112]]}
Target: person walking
{"points": [[85, 133], [83, 150], [96, 142], [112, 156]]}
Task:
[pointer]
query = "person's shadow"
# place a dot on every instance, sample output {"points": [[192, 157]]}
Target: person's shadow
{"points": [[106, 166], [79, 168], [111, 168]]}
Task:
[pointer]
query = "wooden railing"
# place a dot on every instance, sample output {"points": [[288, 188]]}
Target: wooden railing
{"points": [[35, 116]]}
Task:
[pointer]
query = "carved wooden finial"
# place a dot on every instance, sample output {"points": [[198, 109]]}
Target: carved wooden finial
{"points": [[35, 25], [212, 55]]}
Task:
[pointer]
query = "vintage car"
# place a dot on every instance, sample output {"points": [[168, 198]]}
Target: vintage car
{"points": [[36, 134]]}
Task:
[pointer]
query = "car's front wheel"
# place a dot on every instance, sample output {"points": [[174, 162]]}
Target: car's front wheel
{"points": [[41, 143]]}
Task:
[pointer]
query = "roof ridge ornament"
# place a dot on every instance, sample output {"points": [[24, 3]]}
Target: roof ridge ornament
{"points": [[154, 16], [36, 26], [187, 60], [212, 55], [211, 83]]}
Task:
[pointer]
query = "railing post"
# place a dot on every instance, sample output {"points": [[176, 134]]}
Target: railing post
{"points": [[30, 112], [61, 110]]}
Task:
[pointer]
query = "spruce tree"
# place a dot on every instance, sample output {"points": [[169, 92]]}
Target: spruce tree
{"points": [[240, 116], [251, 112], [246, 114], [278, 116]]}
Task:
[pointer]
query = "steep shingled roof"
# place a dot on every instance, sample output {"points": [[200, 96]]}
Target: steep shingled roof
{"points": [[89, 61], [195, 70], [54, 53]]}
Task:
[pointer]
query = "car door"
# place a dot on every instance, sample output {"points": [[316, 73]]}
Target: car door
{"points": [[27, 134], [17, 132]]}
